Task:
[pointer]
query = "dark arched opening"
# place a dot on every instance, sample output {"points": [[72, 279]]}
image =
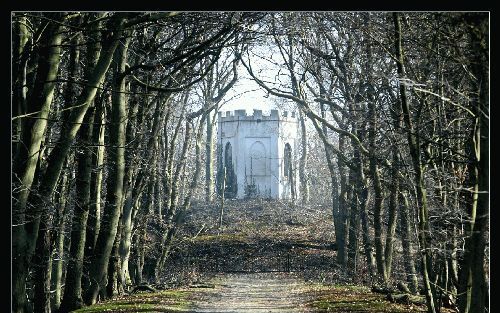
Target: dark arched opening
{"points": [[230, 179]]}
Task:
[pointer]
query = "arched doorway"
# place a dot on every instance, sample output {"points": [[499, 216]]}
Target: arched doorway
{"points": [[230, 179], [257, 159]]}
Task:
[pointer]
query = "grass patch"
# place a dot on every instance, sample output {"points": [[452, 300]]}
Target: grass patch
{"points": [[161, 301], [352, 298], [170, 294], [360, 306], [118, 307]]}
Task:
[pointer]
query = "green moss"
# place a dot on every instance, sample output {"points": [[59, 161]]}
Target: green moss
{"points": [[172, 294], [352, 298], [368, 306], [161, 301], [117, 307]]}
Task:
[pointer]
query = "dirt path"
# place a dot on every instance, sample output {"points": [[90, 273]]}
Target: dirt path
{"points": [[256, 292]]}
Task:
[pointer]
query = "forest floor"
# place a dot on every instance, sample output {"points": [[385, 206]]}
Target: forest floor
{"points": [[268, 257], [255, 293]]}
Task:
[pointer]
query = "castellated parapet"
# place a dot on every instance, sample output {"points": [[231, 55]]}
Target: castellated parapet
{"points": [[257, 115], [258, 154]]}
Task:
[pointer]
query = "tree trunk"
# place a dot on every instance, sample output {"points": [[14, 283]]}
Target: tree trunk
{"points": [[170, 177], [209, 163], [304, 182], [98, 153], [58, 256], [393, 213], [378, 194], [131, 202], [423, 226], [25, 236], [473, 288], [42, 271], [157, 174], [72, 299], [340, 212], [23, 243], [114, 283], [94, 219], [411, 276], [20, 58], [96, 176], [174, 222], [344, 212], [139, 246], [133, 179], [169, 219], [40, 101], [116, 172], [354, 224], [126, 237], [363, 194], [221, 210]]}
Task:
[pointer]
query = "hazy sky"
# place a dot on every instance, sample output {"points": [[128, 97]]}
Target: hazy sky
{"points": [[246, 94]]}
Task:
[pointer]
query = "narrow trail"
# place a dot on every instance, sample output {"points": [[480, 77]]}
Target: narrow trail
{"points": [[253, 292]]}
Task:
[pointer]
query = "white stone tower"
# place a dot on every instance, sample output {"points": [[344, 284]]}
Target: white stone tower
{"points": [[259, 154]]}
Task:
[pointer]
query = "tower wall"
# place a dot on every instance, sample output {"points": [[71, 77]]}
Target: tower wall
{"points": [[257, 142]]}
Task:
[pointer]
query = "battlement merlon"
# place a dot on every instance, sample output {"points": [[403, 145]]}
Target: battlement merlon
{"points": [[257, 115]]}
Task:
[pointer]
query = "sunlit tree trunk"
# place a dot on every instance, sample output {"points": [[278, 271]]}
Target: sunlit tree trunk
{"points": [[59, 262], [116, 170], [209, 163], [172, 212], [73, 288], [170, 177], [131, 203], [363, 194], [409, 264], [114, 286], [93, 222], [423, 217], [378, 198], [28, 233], [393, 214], [304, 182], [20, 56], [26, 161]]}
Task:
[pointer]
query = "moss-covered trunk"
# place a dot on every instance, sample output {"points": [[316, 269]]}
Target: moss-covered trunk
{"points": [[25, 235], [25, 163], [116, 171], [94, 219], [73, 288], [58, 262]]}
